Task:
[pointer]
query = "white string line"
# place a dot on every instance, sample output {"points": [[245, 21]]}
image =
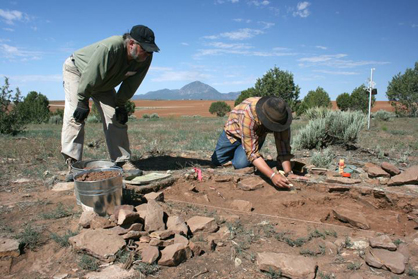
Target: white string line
{"points": [[268, 215]]}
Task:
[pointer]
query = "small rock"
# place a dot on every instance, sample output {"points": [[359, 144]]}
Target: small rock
{"points": [[196, 248], [162, 234], [354, 218], [154, 220], [63, 186], [155, 196], [342, 180], [381, 258], [9, 247], [99, 222], [177, 225], [181, 239], [22, 180], [389, 168], [223, 178], [251, 184], [376, 171], [295, 267], [409, 176], [127, 207], [127, 217], [101, 243], [114, 272], [174, 254], [202, 224], [86, 218], [242, 205], [150, 254], [383, 242]]}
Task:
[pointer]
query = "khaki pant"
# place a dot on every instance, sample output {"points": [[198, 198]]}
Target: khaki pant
{"points": [[72, 135]]}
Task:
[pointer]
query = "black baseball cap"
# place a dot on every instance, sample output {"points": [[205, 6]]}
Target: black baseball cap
{"points": [[145, 37]]}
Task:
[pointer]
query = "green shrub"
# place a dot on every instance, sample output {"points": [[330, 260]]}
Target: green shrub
{"points": [[359, 99], [154, 116], [34, 108], [323, 158], [59, 212], [317, 98], [29, 237], [402, 91], [88, 263], [317, 112], [337, 127], [93, 119], [145, 116], [63, 240], [219, 108], [343, 101], [55, 119], [10, 121], [383, 115], [274, 83], [130, 107]]}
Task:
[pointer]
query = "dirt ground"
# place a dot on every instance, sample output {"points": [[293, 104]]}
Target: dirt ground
{"points": [[180, 108], [277, 221]]}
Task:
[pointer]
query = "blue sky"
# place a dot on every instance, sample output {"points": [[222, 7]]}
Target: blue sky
{"points": [[227, 44]]}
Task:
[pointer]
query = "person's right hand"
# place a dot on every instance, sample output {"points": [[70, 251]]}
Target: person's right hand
{"points": [[280, 181], [81, 112]]}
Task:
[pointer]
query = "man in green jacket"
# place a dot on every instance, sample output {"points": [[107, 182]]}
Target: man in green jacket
{"points": [[93, 72]]}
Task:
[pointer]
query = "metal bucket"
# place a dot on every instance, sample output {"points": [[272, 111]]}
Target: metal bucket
{"points": [[101, 196], [80, 166]]}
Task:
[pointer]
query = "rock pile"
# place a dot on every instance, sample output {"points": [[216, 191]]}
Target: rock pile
{"points": [[148, 231]]}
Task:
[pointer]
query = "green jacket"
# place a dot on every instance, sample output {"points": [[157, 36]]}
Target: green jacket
{"points": [[104, 65]]}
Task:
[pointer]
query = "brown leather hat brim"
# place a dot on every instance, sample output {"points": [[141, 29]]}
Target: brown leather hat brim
{"points": [[272, 126]]}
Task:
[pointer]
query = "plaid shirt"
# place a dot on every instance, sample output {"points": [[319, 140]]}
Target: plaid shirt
{"points": [[244, 125]]}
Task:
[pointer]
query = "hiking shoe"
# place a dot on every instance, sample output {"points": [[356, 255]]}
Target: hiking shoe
{"points": [[69, 162], [129, 168]]}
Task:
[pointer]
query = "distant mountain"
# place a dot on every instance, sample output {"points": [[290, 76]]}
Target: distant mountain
{"points": [[193, 91]]}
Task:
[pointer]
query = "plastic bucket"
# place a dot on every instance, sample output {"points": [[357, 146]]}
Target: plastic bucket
{"points": [[101, 196]]}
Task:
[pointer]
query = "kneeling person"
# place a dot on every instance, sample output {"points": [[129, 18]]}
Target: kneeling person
{"points": [[245, 132]]}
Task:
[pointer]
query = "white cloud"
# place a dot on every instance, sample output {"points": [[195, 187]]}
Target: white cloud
{"points": [[8, 29], [180, 76], [335, 61], [321, 47], [35, 78], [184, 44], [12, 52], [259, 2], [321, 58], [240, 49], [336, 72], [229, 46], [267, 25], [223, 1], [302, 9], [414, 25], [242, 34], [159, 69], [10, 17]]}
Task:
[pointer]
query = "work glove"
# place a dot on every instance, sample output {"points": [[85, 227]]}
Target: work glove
{"points": [[121, 115], [81, 112]]}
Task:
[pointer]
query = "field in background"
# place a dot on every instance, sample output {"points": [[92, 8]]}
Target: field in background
{"points": [[178, 108]]}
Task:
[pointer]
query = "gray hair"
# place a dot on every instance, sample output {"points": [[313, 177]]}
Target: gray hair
{"points": [[126, 38]]}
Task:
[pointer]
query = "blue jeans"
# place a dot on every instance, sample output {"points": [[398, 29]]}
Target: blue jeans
{"points": [[226, 151]]}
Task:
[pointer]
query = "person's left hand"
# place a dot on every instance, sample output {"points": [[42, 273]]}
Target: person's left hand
{"points": [[121, 115]]}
